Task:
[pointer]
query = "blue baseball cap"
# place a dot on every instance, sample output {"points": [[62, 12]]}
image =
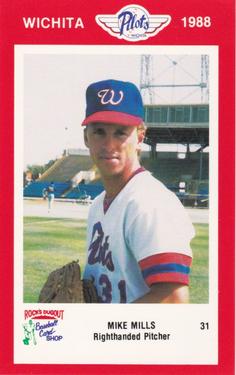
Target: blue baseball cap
{"points": [[113, 101]]}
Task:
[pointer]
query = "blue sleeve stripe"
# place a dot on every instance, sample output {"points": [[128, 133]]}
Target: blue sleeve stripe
{"points": [[165, 268]]}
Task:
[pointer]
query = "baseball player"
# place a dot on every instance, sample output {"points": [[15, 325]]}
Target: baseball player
{"points": [[50, 195], [138, 232]]}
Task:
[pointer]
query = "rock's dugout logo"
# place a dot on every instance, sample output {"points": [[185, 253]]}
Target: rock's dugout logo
{"points": [[133, 23], [35, 328]]}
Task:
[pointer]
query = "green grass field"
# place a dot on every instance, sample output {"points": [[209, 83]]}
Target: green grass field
{"points": [[199, 286], [51, 243]]}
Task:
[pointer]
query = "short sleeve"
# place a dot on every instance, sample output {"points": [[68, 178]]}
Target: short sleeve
{"points": [[166, 267], [159, 237]]}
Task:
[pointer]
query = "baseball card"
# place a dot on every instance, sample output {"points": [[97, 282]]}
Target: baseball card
{"points": [[117, 187]]}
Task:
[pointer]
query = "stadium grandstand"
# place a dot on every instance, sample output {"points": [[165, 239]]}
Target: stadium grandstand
{"points": [[74, 177], [186, 173]]}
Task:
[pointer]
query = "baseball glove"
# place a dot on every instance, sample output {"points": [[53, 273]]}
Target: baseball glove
{"points": [[64, 285]]}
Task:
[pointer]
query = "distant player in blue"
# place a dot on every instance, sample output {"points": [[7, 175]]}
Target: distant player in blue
{"points": [[50, 195], [138, 237]]}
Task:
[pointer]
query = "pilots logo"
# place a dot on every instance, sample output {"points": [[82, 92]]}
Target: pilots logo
{"points": [[99, 248], [133, 23]]}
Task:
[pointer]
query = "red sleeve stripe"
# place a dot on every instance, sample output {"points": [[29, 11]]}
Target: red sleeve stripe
{"points": [[168, 278], [165, 258]]}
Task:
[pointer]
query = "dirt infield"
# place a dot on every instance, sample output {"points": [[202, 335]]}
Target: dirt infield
{"points": [[62, 209]]}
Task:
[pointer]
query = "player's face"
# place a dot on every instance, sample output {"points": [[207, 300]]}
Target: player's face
{"points": [[113, 148]]}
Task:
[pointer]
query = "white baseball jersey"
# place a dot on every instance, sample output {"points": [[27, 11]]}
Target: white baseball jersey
{"points": [[143, 238]]}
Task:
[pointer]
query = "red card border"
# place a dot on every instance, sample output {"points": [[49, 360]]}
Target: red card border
{"points": [[221, 33]]}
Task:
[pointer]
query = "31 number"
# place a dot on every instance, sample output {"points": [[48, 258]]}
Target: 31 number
{"points": [[196, 21], [204, 325], [107, 289]]}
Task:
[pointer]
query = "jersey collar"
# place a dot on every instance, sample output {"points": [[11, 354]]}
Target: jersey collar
{"points": [[108, 201]]}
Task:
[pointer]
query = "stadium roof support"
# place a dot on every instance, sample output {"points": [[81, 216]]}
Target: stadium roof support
{"points": [[177, 124]]}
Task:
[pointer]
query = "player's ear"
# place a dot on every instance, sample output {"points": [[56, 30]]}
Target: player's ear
{"points": [[85, 137], [141, 133]]}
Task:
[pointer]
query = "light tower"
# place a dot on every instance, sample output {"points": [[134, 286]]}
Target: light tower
{"points": [[204, 78], [176, 66], [146, 79]]}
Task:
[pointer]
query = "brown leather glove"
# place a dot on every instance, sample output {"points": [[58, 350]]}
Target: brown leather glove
{"points": [[64, 285]]}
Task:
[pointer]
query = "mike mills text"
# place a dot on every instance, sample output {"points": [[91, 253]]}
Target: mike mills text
{"points": [[131, 325]]}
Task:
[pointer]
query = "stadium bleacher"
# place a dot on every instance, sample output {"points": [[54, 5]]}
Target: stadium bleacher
{"points": [[165, 166], [171, 170], [85, 189], [35, 189], [66, 168]]}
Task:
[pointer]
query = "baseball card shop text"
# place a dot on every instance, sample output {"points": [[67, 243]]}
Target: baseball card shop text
{"points": [[41, 325]]}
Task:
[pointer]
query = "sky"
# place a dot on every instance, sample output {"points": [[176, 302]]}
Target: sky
{"points": [[54, 86]]}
